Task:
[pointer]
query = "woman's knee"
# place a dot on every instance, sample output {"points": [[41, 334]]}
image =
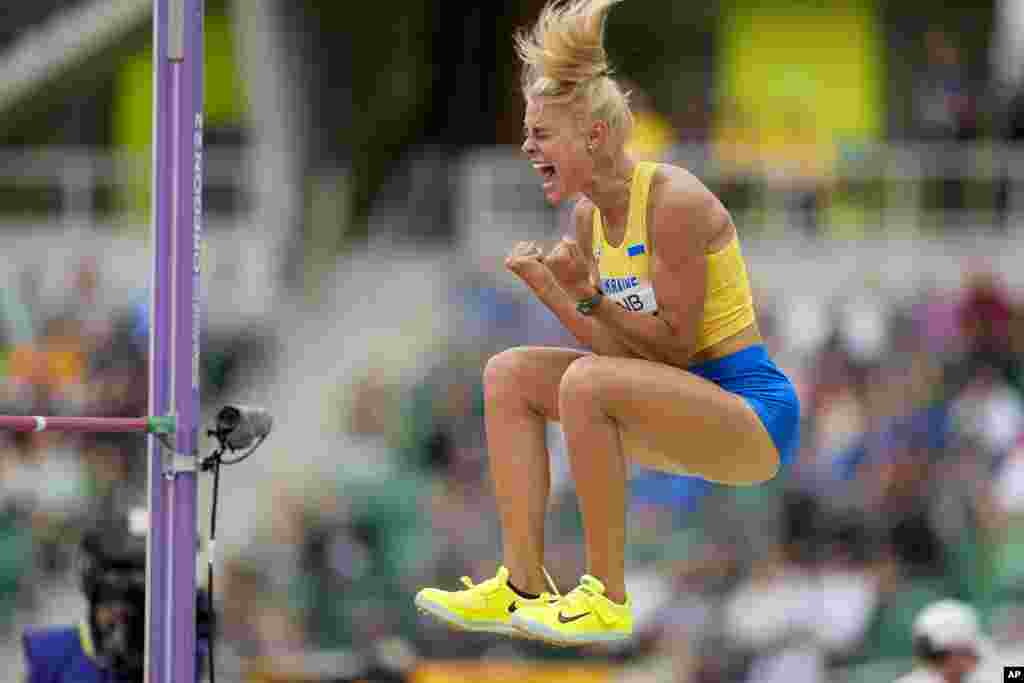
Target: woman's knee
{"points": [[527, 375], [508, 373], [582, 382]]}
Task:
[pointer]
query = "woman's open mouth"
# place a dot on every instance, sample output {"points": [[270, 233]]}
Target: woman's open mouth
{"points": [[547, 173]]}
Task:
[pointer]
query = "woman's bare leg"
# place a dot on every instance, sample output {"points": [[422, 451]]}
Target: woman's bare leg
{"points": [[599, 470], [674, 419], [521, 395]]}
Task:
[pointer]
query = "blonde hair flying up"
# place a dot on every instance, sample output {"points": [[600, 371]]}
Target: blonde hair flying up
{"points": [[564, 61]]}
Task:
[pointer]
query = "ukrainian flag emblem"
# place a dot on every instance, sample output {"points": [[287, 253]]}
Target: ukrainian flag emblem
{"points": [[635, 249]]}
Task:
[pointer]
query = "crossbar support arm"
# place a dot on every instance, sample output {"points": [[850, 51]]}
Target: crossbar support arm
{"points": [[88, 425]]}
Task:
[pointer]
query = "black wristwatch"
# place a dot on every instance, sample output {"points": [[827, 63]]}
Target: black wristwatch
{"points": [[587, 306]]}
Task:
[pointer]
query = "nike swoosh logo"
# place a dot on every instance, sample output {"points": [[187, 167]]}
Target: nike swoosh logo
{"points": [[512, 607], [562, 619]]}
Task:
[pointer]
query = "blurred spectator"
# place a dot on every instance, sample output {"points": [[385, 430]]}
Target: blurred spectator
{"points": [[18, 583], [989, 412], [1012, 134], [812, 603], [945, 111], [949, 646], [986, 315], [108, 645], [946, 108], [805, 165]]}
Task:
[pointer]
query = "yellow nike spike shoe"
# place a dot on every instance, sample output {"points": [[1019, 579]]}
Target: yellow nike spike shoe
{"points": [[483, 607], [583, 617]]}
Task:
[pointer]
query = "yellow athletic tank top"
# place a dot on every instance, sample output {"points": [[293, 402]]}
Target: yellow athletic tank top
{"points": [[626, 279]]}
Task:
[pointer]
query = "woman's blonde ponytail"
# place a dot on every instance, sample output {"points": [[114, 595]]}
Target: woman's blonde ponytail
{"points": [[564, 60], [566, 45]]}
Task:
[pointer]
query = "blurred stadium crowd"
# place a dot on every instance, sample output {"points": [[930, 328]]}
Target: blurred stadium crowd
{"points": [[77, 347], [70, 356], [906, 490]]}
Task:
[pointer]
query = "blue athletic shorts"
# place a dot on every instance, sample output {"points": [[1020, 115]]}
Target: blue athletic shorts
{"points": [[753, 375]]}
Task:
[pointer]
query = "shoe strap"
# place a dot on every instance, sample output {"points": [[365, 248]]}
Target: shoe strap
{"points": [[487, 587], [583, 599]]}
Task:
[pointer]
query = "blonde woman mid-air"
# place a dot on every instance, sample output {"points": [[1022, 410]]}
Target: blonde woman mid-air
{"points": [[677, 378]]}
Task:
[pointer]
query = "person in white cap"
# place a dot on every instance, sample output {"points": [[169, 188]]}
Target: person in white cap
{"points": [[948, 644]]}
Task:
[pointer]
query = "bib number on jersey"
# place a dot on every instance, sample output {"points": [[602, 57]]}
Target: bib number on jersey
{"points": [[637, 300], [632, 303]]}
